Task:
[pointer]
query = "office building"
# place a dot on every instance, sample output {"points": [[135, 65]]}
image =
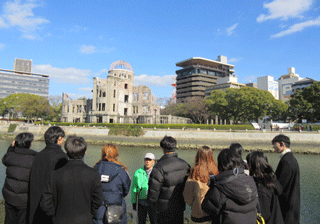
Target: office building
{"points": [[23, 80], [285, 84], [269, 84], [228, 82], [199, 73], [302, 84]]}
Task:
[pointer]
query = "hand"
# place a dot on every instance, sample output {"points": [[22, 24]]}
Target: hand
{"points": [[134, 206], [13, 143]]}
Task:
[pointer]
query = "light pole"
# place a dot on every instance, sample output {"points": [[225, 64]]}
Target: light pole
{"points": [[155, 116]]}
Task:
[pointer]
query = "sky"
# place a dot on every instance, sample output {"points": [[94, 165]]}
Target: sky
{"points": [[73, 41]]}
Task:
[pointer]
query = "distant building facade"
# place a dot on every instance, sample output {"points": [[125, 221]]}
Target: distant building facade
{"points": [[285, 84], [116, 100], [269, 84], [22, 80], [199, 73], [228, 82], [302, 84]]}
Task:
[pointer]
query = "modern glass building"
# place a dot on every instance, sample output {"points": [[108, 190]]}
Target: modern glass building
{"points": [[23, 82]]}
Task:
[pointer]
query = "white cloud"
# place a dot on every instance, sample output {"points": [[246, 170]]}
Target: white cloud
{"points": [[64, 75], [298, 27], [85, 89], [20, 14], [1, 46], [233, 60], [77, 29], [102, 71], [250, 78], [87, 49], [285, 9], [152, 80], [230, 30]]}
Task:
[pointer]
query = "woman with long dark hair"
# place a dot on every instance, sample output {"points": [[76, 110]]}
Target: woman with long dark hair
{"points": [[268, 187], [196, 186], [115, 181], [233, 196]]}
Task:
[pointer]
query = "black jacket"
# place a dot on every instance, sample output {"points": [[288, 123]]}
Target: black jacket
{"points": [[72, 194], [269, 203], [18, 162], [166, 183], [232, 198], [49, 159], [288, 174]]}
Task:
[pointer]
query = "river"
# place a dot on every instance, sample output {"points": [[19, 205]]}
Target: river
{"points": [[133, 159]]}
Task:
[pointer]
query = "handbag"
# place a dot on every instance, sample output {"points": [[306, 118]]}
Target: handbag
{"points": [[113, 214], [260, 219]]}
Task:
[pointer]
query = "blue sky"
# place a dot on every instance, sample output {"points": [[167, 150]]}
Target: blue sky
{"points": [[73, 41]]}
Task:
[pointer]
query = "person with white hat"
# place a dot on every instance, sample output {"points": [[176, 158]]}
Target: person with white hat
{"points": [[139, 191]]}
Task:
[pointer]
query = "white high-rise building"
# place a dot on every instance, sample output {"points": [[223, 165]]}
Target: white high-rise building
{"points": [[268, 83]]}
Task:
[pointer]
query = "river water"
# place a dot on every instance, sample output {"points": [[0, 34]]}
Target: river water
{"points": [[133, 159]]}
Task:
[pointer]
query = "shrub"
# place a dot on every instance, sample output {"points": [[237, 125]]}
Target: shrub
{"points": [[12, 127]]}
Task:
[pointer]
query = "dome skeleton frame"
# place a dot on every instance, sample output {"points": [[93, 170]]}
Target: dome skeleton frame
{"points": [[121, 65]]}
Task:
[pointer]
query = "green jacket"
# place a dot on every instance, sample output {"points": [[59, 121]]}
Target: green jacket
{"points": [[139, 185]]}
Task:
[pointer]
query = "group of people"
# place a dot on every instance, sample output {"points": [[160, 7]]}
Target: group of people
{"points": [[57, 187]]}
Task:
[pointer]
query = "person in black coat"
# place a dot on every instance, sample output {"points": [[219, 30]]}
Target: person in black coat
{"points": [[18, 160], [166, 184], [73, 193], [232, 196], [288, 174], [268, 186], [49, 159]]}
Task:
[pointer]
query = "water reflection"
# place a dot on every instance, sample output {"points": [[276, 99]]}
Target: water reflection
{"points": [[133, 159]]}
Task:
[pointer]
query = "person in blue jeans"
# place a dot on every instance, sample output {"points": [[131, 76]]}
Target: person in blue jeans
{"points": [[139, 191]]}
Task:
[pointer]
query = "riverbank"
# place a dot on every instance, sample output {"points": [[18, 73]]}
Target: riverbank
{"points": [[304, 142]]}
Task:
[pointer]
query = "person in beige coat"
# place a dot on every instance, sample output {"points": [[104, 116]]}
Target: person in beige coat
{"points": [[196, 186]]}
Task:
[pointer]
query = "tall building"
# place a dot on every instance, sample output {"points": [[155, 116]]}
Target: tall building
{"points": [[269, 84], [286, 82], [198, 73], [22, 80]]}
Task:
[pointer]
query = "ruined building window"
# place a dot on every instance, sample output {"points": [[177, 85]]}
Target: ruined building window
{"points": [[99, 106], [146, 96], [126, 98], [103, 107], [114, 107], [100, 94], [135, 96], [125, 111], [126, 86], [104, 94], [135, 109], [114, 93]]}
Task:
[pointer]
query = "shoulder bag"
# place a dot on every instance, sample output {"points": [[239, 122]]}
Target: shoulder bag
{"points": [[113, 214]]}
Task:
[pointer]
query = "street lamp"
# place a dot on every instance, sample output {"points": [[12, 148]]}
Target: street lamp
{"points": [[155, 116]]}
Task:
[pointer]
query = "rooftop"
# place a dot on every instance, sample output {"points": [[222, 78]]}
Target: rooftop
{"points": [[201, 61]]}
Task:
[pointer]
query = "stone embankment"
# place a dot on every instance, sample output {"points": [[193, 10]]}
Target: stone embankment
{"points": [[304, 142]]}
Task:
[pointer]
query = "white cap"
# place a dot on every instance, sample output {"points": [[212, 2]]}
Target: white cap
{"points": [[149, 156]]}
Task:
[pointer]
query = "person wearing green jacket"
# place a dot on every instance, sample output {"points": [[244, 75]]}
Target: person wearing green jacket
{"points": [[139, 191]]}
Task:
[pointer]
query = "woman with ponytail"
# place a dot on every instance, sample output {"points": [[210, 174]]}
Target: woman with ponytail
{"points": [[115, 181], [268, 187]]}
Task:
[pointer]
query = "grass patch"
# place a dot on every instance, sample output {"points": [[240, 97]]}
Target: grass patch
{"points": [[12, 127]]}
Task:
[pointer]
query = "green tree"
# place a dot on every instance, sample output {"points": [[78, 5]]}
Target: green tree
{"points": [[28, 105], [56, 103], [306, 103], [245, 104]]}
